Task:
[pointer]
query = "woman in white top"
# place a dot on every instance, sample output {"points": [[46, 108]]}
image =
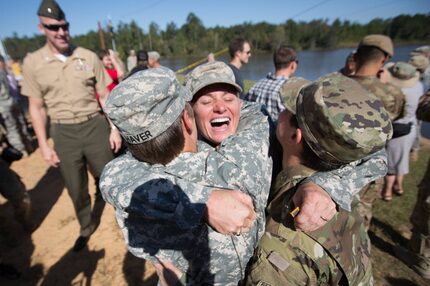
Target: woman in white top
{"points": [[406, 77]]}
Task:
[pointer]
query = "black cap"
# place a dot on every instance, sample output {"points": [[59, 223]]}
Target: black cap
{"points": [[50, 9], [142, 55]]}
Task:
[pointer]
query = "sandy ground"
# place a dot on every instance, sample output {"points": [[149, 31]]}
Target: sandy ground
{"points": [[44, 257]]}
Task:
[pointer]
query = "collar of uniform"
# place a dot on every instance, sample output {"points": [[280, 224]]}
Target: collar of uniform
{"points": [[48, 55], [363, 77], [291, 175]]}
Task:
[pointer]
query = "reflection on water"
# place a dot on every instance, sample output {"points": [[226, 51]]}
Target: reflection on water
{"points": [[312, 65]]}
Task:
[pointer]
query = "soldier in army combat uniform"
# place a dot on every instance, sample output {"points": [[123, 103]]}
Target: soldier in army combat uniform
{"points": [[335, 122], [157, 206], [372, 53]]}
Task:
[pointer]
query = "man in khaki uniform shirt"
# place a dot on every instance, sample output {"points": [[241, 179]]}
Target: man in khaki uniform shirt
{"points": [[60, 81]]}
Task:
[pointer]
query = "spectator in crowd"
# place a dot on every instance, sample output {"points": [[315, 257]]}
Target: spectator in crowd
{"points": [[406, 77], [112, 65], [417, 253], [11, 117], [60, 81], [142, 62], [131, 60], [240, 52], [421, 62], [372, 53], [266, 90], [153, 59], [349, 68]]}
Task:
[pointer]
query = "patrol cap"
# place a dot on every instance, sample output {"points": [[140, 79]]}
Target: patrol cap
{"points": [[50, 9], [382, 42], [154, 55], [146, 104], [142, 55], [421, 62], [290, 91], [208, 74], [402, 74], [341, 121]]}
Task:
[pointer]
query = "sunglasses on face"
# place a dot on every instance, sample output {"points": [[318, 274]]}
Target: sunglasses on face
{"points": [[56, 27]]}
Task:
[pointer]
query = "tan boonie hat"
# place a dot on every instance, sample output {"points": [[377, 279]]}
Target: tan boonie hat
{"points": [[341, 121], [290, 90], [421, 62], [146, 104], [402, 74], [382, 42], [208, 74]]}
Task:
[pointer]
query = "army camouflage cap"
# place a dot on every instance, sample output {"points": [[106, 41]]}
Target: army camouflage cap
{"points": [[146, 104], [341, 121], [382, 42], [290, 91], [208, 74], [50, 9], [421, 62]]}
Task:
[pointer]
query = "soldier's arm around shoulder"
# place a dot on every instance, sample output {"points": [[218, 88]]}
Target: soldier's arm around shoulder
{"points": [[423, 111]]}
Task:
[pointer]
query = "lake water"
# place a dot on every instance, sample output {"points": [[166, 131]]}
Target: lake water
{"points": [[312, 65]]}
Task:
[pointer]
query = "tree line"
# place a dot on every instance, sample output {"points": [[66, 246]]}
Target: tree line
{"points": [[193, 38]]}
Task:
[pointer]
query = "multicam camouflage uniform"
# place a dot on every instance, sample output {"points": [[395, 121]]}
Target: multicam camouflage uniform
{"points": [[394, 102], [340, 122]]}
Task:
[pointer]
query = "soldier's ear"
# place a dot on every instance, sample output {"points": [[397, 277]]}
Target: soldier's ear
{"points": [[188, 121], [41, 28], [297, 136]]}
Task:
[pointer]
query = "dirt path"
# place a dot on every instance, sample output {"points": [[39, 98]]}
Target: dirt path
{"points": [[45, 256]]}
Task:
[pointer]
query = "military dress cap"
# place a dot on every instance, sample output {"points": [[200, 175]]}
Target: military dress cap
{"points": [[382, 42], [146, 104], [421, 62], [208, 74], [50, 9], [290, 90], [402, 74], [341, 121]]}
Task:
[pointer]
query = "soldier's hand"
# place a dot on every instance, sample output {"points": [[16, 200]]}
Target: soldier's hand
{"points": [[230, 212], [50, 156], [316, 207], [115, 140]]}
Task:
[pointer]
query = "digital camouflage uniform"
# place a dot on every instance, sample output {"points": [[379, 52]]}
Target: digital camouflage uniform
{"points": [[7, 106], [417, 255], [340, 122], [394, 102], [196, 249]]}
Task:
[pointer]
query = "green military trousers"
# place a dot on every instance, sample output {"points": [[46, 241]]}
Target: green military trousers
{"points": [[77, 146]]}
